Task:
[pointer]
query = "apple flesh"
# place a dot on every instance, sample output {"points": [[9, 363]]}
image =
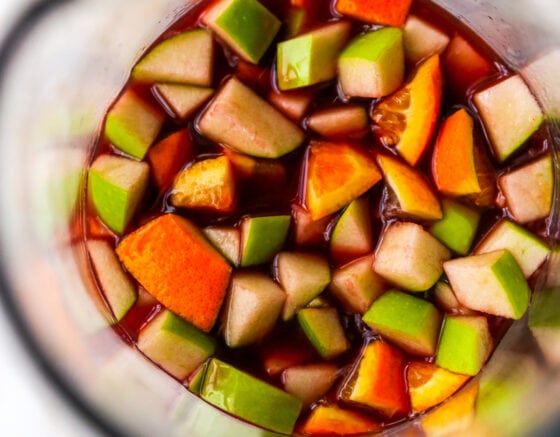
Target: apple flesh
{"points": [[227, 240], [422, 39], [310, 382], [116, 186], [262, 238], [325, 332], [349, 121], [178, 347], [372, 65], [294, 104], [445, 298], [182, 100], [408, 321], [308, 232]]}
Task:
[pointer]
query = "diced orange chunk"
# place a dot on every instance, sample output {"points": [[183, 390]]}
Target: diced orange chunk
{"points": [[333, 420], [429, 385], [406, 119], [208, 184], [337, 173], [168, 156], [173, 261], [415, 196], [389, 12], [378, 381], [453, 162]]}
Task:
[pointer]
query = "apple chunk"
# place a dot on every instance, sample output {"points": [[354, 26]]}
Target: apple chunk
{"points": [[227, 240], [310, 382], [116, 186], [421, 39], [325, 332], [262, 238], [349, 121], [372, 65], [410, 257], [243, 121], [182, 100], [408, 321], [178, 347], [253, 305], [501, 288]]}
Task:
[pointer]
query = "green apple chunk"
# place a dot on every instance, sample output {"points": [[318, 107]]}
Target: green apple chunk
{"points": [[312, 57], [310, 382], [244, 122], [325, 332], [408, 321], [186, 58], [457, 227], [465, 344], [118, 289], [245, 25], [182, 100], [175, 345], [510, 115], [356, 285], [409, 257], [116, 187], [527, 249], [528, 190], [352, 235], [372, 65], [249, 398], [445, 298], [196, 378], [422, 39], [253, 306], [492, 283], [303, 276], [262, 238], [227, 240]]}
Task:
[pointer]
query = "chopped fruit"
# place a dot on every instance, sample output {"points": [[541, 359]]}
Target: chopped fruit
{"points": [[410, 257], [408, 321], [243, 121], [250, 399], [178, 347], [262, 238], [529, 189], [308, 232], [464, 66], [414, 194], [260, 169], [378, 381], [116, 186], [182, 100], [352, 235], [303, 276], [510, 115], [253, 75], [294, 104], [389, 12], [350, 121], [227, 240], [453, 161], [208, 185], [501, 288], [132, 125], [337, 173], [464, 345], [168, 156], [429, 385], [486, 198], [527, 249], [169, 252], [458, 226], [422, 39], [356, 285], [245, 25], [282, 352], [252, 308], [309, 383], [117, 288], [323, 329], [311, 58], [406, 120], [195, 380], [372, 65], [333, 420], [445, 298], [187, 58]]}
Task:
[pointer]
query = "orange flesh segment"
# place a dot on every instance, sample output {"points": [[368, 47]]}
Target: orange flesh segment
{"points": [[337, 173], [429, 385], [413, 193], [175, 264], [453, 162], [333, 420], [389, 12], [406, 119]]}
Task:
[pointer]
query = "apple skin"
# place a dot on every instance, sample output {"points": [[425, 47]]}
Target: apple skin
{"points": [[262, 238]]}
